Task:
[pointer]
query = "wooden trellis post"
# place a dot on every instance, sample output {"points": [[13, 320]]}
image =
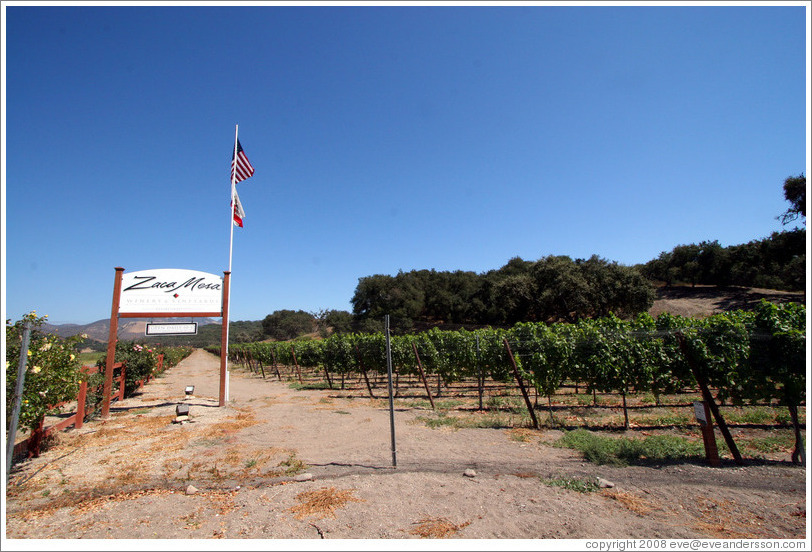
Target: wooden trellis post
{"points": [[521, 385], [423, 375]]}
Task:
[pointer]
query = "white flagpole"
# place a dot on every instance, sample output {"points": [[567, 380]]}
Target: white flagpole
{"points": [[233, 205]]}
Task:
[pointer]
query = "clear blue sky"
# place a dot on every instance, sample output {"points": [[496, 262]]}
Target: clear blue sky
{"points": [[385, 138]]}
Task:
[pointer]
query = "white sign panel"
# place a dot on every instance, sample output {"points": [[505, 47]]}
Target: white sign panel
{"points": [[699, 411], [170, 290], [171, 328]]}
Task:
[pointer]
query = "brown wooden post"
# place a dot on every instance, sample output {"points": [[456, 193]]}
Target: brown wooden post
{"points": [[423, 375], [296, 362], [326, 373], [224, 339], [703, 417], [35, 441], [708, 398], [275, 367], [521, 385], [121, 381], [798, 454], [81, 399], [111, 344], [158, 369], [363, 371]]}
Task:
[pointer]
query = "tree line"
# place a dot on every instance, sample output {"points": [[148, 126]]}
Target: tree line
{"points": [[560, 289], [552, 289], [777, 262]]}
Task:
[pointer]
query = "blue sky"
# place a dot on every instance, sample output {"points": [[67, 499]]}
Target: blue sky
{"points": [[385, 138]]}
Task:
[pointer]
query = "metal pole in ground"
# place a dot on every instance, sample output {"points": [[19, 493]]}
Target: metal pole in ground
{"points": [[391, 396], [481, 373], [18, 395]]}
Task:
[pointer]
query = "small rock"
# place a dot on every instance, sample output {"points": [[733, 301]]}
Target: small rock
{"points": [[191, 489], [180, 419], [604, 484], [304, 477], [469, 473]]}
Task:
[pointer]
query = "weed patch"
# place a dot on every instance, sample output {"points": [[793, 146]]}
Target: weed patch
{"points": [[292, 465], [307, 386], [623, 451], [572, 483], [783, 441], [441, 420]]}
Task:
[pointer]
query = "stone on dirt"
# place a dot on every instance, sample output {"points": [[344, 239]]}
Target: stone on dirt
{"points": [[191, 489], [605, 484], [469, 473], [303, 477]]}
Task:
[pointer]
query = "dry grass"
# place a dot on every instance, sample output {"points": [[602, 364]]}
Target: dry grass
{"points": [[323, 502], [523, 434], [244, 418], [86, 502], [718, 520], [436, 528], [222, 501], [634, 503], [130, 474]]}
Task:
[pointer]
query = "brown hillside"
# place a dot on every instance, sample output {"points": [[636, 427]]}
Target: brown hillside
{"points": [[701, 301]]}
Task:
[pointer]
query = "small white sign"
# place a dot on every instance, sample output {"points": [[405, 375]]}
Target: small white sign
{"points": [[172, 328], [699, 411], [170, 290]]}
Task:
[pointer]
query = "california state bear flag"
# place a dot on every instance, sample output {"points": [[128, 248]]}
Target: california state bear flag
{"points": [[239, 214]]}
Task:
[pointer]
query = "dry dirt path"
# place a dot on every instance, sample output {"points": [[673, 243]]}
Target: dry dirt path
{"points": [[126, 477]]}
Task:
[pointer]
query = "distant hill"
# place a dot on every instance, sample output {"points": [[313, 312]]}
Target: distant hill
{"points": [[701, 301], [128, 328]]}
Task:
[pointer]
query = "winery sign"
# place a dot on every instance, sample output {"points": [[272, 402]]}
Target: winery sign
{"points": [[166, 293], [170, 290]]}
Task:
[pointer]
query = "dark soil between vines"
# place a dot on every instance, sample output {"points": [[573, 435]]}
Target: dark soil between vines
{"points": [[126, 477]]}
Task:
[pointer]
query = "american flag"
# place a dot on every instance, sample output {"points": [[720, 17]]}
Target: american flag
{"points": [[244, 168]]}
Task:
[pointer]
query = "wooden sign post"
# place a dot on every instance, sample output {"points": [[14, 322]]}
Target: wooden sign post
{"points": [[703, 416], [166, 293]]}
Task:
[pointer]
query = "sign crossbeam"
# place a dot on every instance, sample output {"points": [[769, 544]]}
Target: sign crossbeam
{"points": [[170, 314]]}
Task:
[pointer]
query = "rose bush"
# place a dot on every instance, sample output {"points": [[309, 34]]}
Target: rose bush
{"points": [[52, 370]]}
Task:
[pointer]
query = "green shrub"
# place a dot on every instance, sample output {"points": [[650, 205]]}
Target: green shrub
{"points": [[572, 483], [52, 370], [623, 450]]}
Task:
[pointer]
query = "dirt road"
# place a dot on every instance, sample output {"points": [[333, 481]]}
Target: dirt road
{"points": [[281, 463]]}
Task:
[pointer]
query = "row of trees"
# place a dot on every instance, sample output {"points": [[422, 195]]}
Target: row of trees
{"points": [[777, 262], [552, 289]]}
